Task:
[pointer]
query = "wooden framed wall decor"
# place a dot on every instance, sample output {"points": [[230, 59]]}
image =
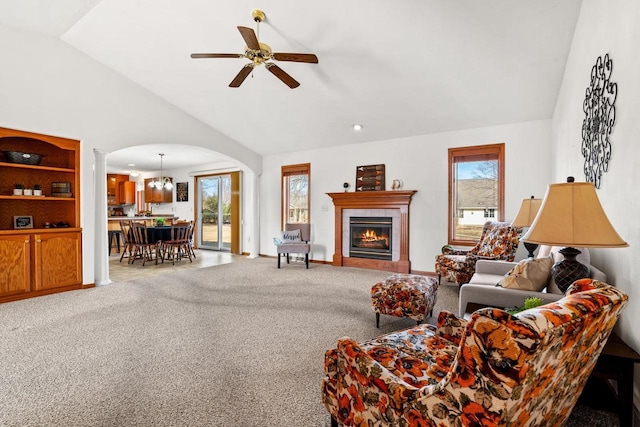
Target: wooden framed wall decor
{"points": [[182, 192], [370, 178]]}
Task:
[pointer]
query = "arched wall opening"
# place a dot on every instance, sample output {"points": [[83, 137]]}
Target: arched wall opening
{"points": [[182, 163]]}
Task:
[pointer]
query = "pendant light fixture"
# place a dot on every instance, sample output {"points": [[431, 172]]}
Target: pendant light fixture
{"points": [[162, 181]]}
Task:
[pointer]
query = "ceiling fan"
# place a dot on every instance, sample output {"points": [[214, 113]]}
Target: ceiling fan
{"points": [[260, 53]]}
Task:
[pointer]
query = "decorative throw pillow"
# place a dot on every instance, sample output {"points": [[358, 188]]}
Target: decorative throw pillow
{"points": [[277, 241], [531, 274], [290, 236]]}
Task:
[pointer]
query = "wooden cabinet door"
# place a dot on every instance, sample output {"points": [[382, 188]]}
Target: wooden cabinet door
{"points": [[153, 195], [58, 260], [149, 192], [127, 192], [156, 195], [112, 189], [15, 264], [167, 195]]}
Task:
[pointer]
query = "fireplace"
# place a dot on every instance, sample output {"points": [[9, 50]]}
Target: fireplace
{"points": [[394, 204], [370, 237]]}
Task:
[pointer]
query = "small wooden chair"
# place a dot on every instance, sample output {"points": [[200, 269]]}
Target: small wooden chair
{"points": [[127, 238], [178, 246], [147, 251]]}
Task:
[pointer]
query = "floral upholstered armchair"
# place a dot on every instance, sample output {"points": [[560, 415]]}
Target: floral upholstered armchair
{"points": [[498, 241], [495, 369]]}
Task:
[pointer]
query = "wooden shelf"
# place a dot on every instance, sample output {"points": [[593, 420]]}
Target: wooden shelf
{"points": [[36, 167], [39, 198]]}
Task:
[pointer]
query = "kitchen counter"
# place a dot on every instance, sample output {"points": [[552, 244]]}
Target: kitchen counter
{"points": [[139, 217]]}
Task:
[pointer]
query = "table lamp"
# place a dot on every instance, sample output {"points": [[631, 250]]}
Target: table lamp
{"points": [[571, 215], [527, 213]]}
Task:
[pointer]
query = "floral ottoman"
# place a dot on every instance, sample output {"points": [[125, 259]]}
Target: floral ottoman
{"points": [[404, 295]]}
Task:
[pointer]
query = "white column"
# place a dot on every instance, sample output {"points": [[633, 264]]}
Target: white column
{"points": [[100, 218], [253, 222]]}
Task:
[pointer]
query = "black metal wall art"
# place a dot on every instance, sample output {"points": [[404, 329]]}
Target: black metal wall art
{"points": [[599, 117]]}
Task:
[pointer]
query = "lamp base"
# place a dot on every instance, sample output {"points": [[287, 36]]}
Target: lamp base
{"points": [[568, 270], [531, 247]]}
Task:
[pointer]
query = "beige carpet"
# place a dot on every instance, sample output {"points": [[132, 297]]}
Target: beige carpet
{"points": [[240, 344]]}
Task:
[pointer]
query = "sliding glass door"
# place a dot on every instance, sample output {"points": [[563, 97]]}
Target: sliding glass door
{"points": [[214, 218]]}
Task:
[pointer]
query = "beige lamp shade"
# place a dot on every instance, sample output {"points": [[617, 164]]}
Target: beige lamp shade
{"points": [[527, 213], [571, 215]]}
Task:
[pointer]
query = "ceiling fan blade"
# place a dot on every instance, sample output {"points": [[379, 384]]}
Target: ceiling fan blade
{"points": [[296, 57], [280, 73], [216, 55], [249, 37], [237, 81]]}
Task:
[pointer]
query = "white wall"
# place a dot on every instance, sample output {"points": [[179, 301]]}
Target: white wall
{"points": [[421, 163], [608, 27], [48, 87]]}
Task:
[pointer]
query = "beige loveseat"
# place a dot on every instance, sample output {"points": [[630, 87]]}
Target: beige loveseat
{"points": [[481, 291]]}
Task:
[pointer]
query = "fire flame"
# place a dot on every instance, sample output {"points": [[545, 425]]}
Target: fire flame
{"points": [[372, 236]]}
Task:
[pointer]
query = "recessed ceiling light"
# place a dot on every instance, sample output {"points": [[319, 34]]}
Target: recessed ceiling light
{"points": [[131, 164], [357, 126]]}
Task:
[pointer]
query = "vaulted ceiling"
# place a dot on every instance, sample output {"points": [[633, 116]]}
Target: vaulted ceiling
{"points": [[400, 69]]}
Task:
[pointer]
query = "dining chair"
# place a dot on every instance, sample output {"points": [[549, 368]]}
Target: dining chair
{"points": [[127, 236], [192, 228], [178, 246], [143, 248]]}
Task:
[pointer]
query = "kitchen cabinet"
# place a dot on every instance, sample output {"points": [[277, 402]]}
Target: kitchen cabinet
{"points": [[154, 195], [112, 189], [127, 193], [115, 193], [39, 260]]}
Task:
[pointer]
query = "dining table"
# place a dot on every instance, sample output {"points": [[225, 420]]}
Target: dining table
{"points": [[161, 233]]}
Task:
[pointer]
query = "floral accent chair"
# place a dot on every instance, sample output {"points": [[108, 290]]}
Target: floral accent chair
{"points": [[495, 369], [498, 241]]}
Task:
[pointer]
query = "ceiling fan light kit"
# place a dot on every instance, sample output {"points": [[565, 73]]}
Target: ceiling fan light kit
{"points": [[260, 53]]}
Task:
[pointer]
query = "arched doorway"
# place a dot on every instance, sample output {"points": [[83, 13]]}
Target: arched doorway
{"points": [[185, 208]]}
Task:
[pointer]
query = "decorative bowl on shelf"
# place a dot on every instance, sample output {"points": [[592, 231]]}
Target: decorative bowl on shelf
{"points": [[23, 158]]}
